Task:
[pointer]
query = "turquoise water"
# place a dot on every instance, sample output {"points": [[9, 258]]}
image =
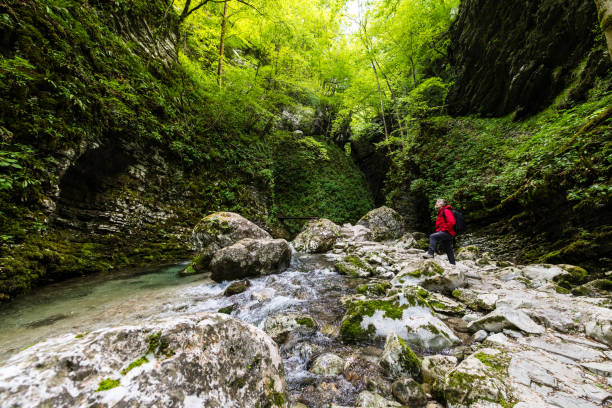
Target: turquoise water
{"points": [[87, 303]]}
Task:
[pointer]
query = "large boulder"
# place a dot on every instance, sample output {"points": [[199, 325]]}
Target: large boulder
{"points": [[207, 359], [250, 257], [317, 236], [398, 359], [483, 376], [384, 223], [219, 230], [406, 314]]}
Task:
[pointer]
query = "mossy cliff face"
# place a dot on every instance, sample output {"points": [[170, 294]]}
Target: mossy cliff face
{"points": [[111, 153], [517, 55], [536, 178]]}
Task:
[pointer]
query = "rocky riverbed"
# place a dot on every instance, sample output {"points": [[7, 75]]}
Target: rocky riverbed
{"points": [[357, 319]]}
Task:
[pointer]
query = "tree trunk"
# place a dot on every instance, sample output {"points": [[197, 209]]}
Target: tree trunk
{"points": [[604, 9], [393, 97], [382, 105], [222, 45]]}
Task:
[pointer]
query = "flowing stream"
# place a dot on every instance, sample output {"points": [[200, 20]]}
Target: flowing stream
{"points": [[85, 304]]}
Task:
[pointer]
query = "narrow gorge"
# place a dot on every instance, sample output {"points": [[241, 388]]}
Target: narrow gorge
{"points": [[228, 203]]}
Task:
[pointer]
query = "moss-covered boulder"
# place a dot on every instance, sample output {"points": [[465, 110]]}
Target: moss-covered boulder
{"points": [[384, 223], [250, 257], [219, 230], [398, 359], [597, 287], [483, 376], [405, 313], [434, 370], [237, 287], [354, 266], [317, 236], [575, 276]]}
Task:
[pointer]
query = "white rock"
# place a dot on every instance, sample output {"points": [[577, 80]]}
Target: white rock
{"points": [[327, 364], [196, 359], [506, 318]]}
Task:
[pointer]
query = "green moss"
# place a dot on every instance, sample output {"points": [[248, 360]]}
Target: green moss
{"points": [[136, 363], [305, 321], [409, 360], [606, 23], [188, 271], [498, 362], [108, 384], [560, 289], [457, 293], [158, 346], [374, 289], [482, 262], [351, 329], [226, 310]]}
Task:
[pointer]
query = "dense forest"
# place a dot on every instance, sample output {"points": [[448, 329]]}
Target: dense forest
{"points": [[229, 202], [123, 122]]}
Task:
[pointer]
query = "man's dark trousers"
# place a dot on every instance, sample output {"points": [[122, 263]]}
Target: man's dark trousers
{"points": [[446, 240]]}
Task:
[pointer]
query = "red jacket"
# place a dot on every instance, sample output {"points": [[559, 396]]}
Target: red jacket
{"points": [[448, 224]]}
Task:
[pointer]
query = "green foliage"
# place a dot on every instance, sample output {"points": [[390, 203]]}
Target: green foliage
{"points": [[313, 178]]}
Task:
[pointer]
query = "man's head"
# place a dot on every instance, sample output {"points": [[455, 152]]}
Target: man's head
{"points": [[440, 202]]}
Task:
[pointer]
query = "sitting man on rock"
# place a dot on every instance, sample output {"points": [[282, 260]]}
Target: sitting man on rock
{"points": [[445, 231]]}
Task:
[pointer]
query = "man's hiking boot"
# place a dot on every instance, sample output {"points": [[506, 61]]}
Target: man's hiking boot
{"points": [[428, 255]]}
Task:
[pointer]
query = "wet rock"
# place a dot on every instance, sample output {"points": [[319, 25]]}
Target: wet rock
{"points": [[384, 223], [279, 326], [250, 257], [327, 364], [363, 371], [409, 392], [398, 359], [405, 314], [317, 236], [237, 287], [263, 295], [206, 359], [435, 368], [479, 336], [506, 318], [218, 230], [366, 399], [482, 376], [445, 283]]}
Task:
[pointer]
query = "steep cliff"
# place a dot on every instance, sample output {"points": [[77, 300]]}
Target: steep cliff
{"points": [[517, 55], [111, 152]]}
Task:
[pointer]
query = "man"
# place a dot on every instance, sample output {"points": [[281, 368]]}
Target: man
{"points": [[445, 231]]}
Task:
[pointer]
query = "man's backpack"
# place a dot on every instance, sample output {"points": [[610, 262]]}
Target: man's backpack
{"points": [[459, 221]]}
